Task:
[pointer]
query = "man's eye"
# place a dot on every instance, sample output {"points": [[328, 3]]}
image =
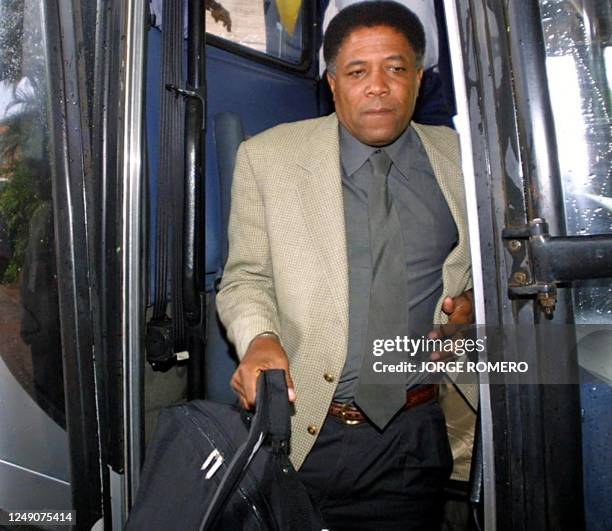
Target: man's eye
{"points": [[397, 69], [356, 73]]}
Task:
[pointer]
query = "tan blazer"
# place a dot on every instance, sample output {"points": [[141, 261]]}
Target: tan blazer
{"points": [[287, 269]]}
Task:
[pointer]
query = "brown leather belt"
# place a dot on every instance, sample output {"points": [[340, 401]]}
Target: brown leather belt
{"points": [[414, 397]]}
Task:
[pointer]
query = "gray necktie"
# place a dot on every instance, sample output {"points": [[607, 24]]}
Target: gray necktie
{"points": [[381, 395]]}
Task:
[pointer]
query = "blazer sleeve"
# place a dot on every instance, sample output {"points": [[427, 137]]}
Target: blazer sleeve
{"points": [[246, 301]]}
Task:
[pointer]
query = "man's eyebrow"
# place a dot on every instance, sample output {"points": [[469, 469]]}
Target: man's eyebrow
{"points": [[360, 62], [356, 62], [395, 58]]}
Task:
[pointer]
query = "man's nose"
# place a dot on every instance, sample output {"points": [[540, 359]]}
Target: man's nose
{"points": [[377, 85]]}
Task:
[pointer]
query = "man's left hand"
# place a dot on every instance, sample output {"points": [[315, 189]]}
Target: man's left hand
{"points": [[460, 311]]}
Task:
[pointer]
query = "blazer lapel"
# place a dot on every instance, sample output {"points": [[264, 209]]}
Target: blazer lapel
{"points": [[320, 193], [448, 175]]}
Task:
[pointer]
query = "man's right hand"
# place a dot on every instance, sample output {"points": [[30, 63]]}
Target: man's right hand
{"points": [[264, 352]]}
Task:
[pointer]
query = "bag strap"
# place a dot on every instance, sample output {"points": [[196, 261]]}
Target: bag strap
{"points": [[271, 422]]}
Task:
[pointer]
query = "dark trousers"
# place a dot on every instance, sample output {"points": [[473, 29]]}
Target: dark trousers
{"points": [[363, 478]]}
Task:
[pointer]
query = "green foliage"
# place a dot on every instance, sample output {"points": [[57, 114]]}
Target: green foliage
{"points": [[19, 199], [24, 180]]}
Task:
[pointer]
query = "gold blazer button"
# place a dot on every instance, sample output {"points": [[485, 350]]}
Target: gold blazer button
{"points": [[328, 377], [312, 430]]}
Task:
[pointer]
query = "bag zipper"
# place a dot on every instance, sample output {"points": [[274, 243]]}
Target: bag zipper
{"points": [[253, 506]]}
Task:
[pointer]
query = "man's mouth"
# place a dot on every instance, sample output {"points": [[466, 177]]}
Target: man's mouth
{"points": [[378, 112]]}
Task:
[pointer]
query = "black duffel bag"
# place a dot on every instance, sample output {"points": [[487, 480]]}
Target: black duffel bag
{"points": [[216, 467]]}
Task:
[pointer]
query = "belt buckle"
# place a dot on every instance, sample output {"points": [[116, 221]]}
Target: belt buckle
{"points": [[343, 412]]}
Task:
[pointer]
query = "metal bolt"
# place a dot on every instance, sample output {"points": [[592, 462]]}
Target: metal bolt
{"points": [[547, 302], [515, 245], [520, 277]]}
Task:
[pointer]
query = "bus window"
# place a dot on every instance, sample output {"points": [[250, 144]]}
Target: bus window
{"points": [[579, 68], [271, 27], [31, 376], [578, 41]]}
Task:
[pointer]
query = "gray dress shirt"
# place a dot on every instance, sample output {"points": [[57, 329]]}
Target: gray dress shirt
{"points": [[428, 229]]}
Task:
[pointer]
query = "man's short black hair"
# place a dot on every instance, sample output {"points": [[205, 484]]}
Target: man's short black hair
{"points": [[368, 15]]}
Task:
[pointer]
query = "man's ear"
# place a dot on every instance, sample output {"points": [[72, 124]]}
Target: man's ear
{"points": [[331, 79], [419, 78]]}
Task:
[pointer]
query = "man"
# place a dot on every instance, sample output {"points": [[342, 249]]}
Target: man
{"points": [[306, 286]]}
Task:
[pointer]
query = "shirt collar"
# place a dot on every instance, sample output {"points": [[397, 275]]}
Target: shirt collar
{"points": [[402, 151], [354, 154]]}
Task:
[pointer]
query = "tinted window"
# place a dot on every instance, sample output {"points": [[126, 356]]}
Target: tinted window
{"points": [[272, 27], [34, 470]]}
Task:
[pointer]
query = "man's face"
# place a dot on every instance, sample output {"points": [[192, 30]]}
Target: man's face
{"points": [[375, 84]]}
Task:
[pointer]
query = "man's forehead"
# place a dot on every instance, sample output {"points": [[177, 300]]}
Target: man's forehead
{"points": [[380, 33]]}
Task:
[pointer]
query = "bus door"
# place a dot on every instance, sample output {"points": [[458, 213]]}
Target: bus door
{"points": [[72, 265], [533, 84], [50, 458]]}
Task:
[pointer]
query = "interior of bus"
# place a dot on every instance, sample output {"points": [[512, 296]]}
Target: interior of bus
{"points": [[119, 125]]}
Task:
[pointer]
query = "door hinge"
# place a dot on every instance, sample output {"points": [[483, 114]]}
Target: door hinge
{"points": [[552, 260]]}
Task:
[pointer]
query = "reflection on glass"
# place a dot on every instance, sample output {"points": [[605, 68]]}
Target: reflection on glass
{"points": [[273, 27], [29, 312], [578, 48]]}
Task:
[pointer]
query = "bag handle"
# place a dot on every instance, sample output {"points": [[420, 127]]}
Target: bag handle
{"points": [[270, 422], [274, 406]]}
